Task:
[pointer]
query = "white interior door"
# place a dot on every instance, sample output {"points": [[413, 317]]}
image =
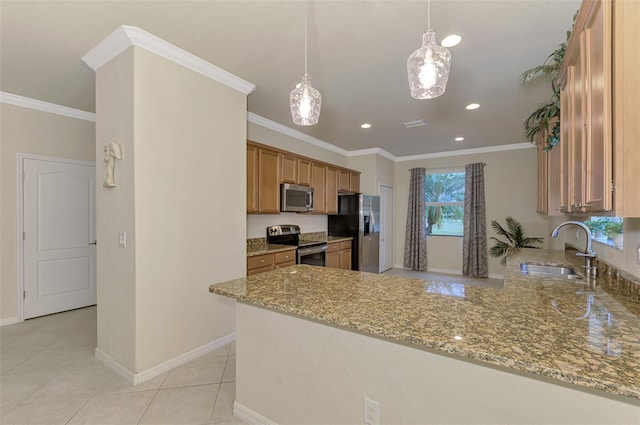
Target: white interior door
{"points": [[386, 227], [59, 251]]}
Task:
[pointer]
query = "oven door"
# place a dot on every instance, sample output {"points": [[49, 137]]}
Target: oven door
{"points": [[314, 255]]}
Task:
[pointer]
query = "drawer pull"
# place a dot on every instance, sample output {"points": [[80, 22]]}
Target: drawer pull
{"points": [[262, 261]]}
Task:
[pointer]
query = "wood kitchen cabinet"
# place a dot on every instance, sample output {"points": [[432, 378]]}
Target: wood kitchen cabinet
{"points": [[599, 80], [549, 176], [289, 169], [263, 180], [252, 179], [268, 167], [331, 190], [268, 181], [354, 182], [267, 262], [304, 172], [318, 182], [333, 255], [339, 255], [345, 255], [343, 181]]}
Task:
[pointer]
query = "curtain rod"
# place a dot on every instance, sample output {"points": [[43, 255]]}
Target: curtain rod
{"points": [[445, 168]]}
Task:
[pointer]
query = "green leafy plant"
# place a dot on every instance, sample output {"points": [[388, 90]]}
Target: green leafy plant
{"points": [[540, 119], [514, 233], [612, 229], [596, 225]]}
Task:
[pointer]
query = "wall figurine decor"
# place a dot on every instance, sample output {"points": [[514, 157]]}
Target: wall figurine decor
{"points": [[112, 151]]}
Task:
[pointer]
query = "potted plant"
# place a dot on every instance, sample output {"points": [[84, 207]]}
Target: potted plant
{"points": [[596, 226], [540, 119], [613, 231], [514, 234]]}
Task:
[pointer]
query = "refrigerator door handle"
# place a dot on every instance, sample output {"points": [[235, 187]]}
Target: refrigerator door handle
{"points": [[373, 225]]}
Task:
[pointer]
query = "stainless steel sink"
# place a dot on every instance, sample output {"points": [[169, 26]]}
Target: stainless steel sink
{"points": [[549, 271]]}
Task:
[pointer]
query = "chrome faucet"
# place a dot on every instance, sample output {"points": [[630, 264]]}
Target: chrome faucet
{"points": [[588, 253]]}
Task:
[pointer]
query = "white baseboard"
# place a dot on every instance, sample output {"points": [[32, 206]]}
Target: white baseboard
{"points": [[139, 378], [244, 413], [8, 321], [114, 365]]}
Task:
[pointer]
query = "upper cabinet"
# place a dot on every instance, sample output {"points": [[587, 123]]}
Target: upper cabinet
{"points": [[600, 143], [549, 177], [268, 167]]}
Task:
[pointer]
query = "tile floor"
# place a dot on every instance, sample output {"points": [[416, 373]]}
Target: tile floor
{"points": [[49, 375]]}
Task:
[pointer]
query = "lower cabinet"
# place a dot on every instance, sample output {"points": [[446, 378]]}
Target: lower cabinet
{"points": [[267, 262], [339, 255]]}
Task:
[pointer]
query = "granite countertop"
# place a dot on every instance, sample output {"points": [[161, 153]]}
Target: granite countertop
{"points": [[260, 247], [334, 239], [268, 249], [582, 333]]}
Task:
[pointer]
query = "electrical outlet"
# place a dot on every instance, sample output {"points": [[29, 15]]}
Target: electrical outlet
{"points": [[371, 412]]}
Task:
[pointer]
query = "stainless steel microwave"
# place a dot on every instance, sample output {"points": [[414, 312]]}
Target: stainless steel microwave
{"points": [[296, 198]]}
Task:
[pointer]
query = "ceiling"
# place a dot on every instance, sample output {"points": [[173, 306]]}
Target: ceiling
{"points": [[357, 60]]}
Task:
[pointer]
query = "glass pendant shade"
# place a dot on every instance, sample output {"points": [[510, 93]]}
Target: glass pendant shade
{"points": [[428, 68], [305, 102]]}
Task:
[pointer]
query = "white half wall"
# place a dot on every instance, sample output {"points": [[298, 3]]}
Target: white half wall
{"points": [[294, 371]]}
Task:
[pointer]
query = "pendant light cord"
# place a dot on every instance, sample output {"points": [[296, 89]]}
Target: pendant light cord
{"points": [[428, 14], [306, 10]]}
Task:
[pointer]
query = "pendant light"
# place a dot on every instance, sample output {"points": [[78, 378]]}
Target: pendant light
{"points": [[305, 100], [428, 67]]}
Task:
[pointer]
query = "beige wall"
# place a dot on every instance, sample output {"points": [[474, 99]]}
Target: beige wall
{"points": [[257, 223], [375, 170], [115, 212], [184, 136], [34, 132], [324, 376], [510, 190], [623, 259]]}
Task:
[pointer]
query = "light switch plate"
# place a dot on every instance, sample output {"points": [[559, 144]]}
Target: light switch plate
{"points": [[122, 239], [638, 253]]}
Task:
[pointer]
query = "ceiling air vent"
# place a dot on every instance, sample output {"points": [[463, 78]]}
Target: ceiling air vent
{"points": [[411, 124]]}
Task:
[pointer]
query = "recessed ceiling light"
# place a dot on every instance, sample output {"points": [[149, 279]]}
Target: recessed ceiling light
{"points": [[451, 40], [416, 123], [457, 337], [459, 139], [365, 125], [472, 106]]}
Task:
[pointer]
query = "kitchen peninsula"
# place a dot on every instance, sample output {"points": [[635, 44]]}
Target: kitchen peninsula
{"points": [[312, 342]]}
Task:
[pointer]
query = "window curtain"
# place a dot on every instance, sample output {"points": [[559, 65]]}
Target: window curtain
{"points": [[474, 245], [415, 242]]}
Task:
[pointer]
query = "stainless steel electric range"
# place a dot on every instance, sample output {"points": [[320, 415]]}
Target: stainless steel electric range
{"points": [[307, 252]]}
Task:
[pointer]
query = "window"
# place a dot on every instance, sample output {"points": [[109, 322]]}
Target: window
{"points": [[607, 230], [444, 197]]}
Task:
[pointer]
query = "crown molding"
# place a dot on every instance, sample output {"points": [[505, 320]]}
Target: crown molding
{"points": [[39, 105], [126, 36], [272, 125], [489, 149], [374, 151]]}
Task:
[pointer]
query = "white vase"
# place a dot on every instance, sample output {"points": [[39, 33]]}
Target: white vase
{"points": [[617, 241]]}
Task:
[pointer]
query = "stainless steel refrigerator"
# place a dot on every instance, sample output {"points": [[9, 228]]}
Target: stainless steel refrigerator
{"points": [[359, 217]]}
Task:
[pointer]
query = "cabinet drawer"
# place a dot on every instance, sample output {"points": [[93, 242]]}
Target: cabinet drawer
{"points": [[333, 247], [345, 245], [259, 270], [260, 261], [285, 257]]}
